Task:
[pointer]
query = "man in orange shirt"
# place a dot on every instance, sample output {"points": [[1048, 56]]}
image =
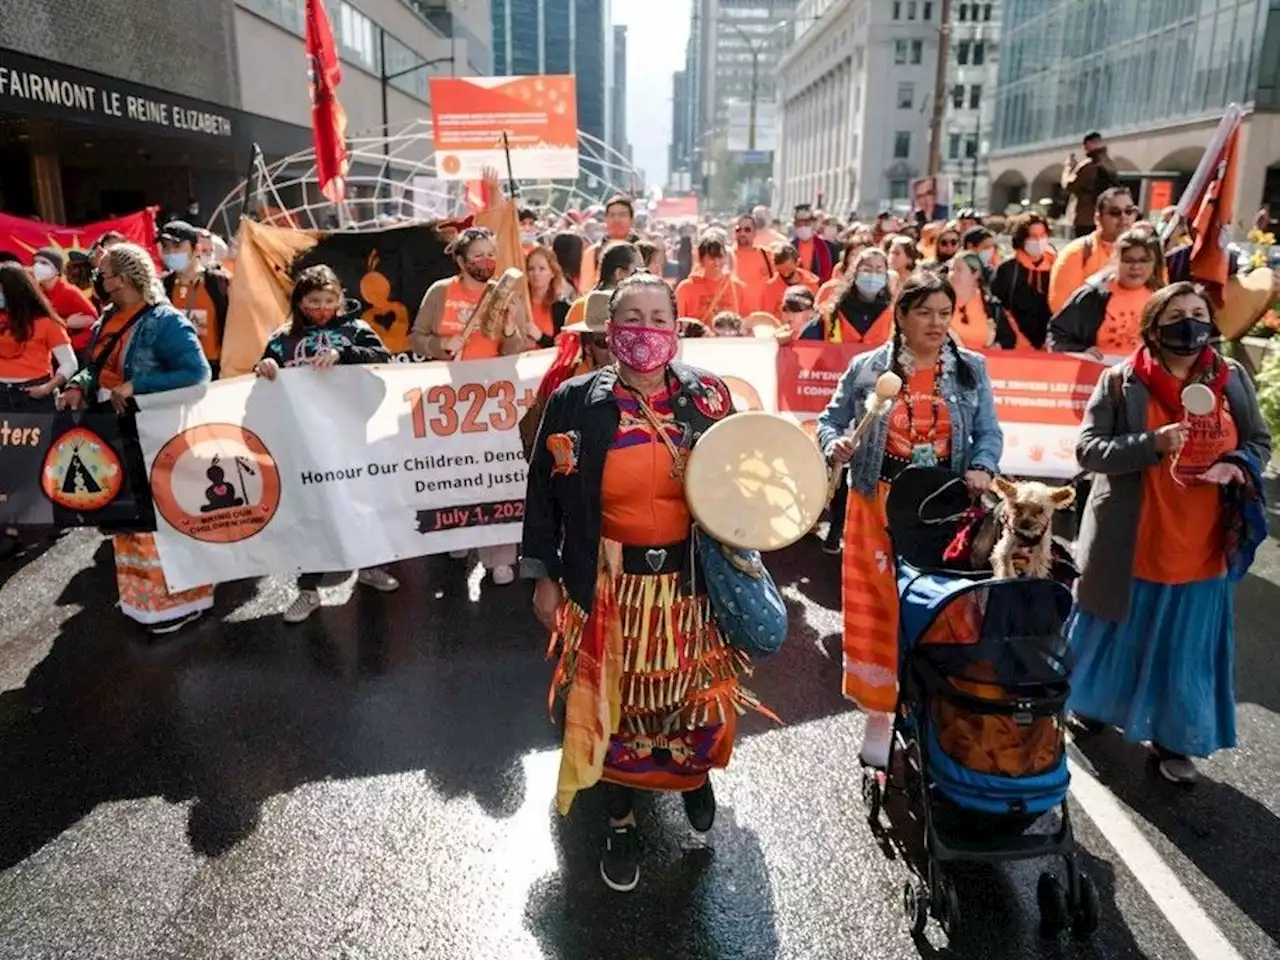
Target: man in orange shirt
{"points": [[199, 291], [752, 265], [788, 273], [1083, 257]]}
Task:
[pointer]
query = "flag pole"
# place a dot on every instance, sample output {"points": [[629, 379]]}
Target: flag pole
{"points": [[511, 177]]}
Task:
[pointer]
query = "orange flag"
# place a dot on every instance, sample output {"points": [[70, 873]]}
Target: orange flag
{"points": [[1211, 222]]}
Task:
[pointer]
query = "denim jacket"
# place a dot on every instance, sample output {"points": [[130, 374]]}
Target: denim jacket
{"points": [[162, 352], [976, 439]]}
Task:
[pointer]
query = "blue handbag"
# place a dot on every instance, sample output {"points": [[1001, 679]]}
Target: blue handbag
{"points": [[744, 599]]}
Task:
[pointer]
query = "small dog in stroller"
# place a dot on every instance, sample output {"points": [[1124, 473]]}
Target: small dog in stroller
{"points": [[978, 748]]}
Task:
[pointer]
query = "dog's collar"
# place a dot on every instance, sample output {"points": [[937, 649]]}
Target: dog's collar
{"points": [[1026, 539]]}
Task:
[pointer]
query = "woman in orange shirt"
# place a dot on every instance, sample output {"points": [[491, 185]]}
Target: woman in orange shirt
{"points": [[858, 310], [979, 322], [711, 287], [440, 329], [1102, 318], [1152, 632], [651, 688], [546, 294], [31, 339]]}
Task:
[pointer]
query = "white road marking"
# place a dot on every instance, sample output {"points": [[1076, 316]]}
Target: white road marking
{"points": [[1185, 915]]}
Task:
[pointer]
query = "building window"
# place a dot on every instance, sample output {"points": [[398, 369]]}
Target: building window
{"points": [[986, 12], [970, 147], [917, 51], [975, 96], [953, 146], [962, 52], [355, 36], [898, 189], [979, 53], [906, 96], [911, 9], [957, 96], [928, 9], [902, 145], [897, 9], [899, 51], [964, 12]]}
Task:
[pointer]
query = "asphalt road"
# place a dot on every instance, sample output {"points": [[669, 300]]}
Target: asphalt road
{"points": [[378, 783]]}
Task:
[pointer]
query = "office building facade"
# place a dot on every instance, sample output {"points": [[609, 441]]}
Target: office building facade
{"points": [[618, 107], [973, 59], [1153, 78], [98, 120], [854, 100], [561, 37]]}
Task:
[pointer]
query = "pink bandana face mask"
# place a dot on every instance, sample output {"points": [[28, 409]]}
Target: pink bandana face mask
{"points": [[643, 349]]}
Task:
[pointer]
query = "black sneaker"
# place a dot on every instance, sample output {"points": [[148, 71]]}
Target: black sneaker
{"points": [[620, 860], [173, 626], [700, 806]]}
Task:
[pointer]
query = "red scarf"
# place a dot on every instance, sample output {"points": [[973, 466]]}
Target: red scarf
{"points": [[562, 367], [1167, 389]]}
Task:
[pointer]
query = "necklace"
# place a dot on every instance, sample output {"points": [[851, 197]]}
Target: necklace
{"points": [[923, 449]]}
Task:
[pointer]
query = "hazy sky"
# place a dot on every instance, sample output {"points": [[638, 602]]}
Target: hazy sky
{"points": [[657, 31]]}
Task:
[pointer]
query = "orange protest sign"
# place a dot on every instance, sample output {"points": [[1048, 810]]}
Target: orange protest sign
{"points": [[538, 115], [1160, 195]]}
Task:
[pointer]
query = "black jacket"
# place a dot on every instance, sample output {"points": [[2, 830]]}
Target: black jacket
{"points": [[1025, 294], [1074, 329], [562, 514]]}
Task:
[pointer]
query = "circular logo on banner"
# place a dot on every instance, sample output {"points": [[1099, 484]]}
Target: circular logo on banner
{"points": [[450, 163], [81, 472], [216, 483]]}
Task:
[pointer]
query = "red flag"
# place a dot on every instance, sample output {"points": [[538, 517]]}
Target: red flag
{"points": [[328, 119], [1211, 222], [23, 237]]}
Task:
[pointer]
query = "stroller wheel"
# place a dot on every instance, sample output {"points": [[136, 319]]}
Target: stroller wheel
{"points": [[1085, 909], [947, 907], [915, 906], [872, 793], [1055, 915]]}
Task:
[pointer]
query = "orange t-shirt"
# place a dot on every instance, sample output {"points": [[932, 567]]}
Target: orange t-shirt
{"points": [[542, 318], [701, 297], [754, 267], [30, 359], [112, 374], [1118, 334], [777, 288], [460, 302], [195, 302], [641, 504], [805, 250], [1180, 532], [1070, 268], [927, 422], [971, 323]]}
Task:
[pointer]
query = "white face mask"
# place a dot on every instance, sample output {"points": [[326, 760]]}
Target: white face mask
{"points": [[804, 233], [987, 257], [1033, 248], [528, 239], [43, 271]]}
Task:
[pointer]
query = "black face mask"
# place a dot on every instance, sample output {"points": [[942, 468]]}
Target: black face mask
{"points": [[99, 288], [1185, 337]]}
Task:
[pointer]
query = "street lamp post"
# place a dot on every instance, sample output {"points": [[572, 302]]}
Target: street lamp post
{"points": [[386, 78]]}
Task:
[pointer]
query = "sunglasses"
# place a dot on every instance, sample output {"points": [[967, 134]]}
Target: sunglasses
{"points": [[1121, 211], [949, 243]]}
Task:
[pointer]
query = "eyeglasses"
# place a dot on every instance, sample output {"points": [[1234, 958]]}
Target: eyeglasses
{"points": [[1121, 211]]}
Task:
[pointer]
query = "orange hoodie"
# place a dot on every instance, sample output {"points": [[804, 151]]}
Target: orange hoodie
{"points": [[773, 294], [702, 297]]}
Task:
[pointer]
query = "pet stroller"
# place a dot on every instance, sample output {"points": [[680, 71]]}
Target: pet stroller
{"points": [[978, 750]]}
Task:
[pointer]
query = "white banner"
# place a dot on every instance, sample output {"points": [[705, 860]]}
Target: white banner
{"points": [[337, 469]]}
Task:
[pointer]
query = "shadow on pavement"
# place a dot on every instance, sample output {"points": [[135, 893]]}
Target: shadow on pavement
{"points": [[1230, 837], [712, 893], [1257, 654], [229, 714]]}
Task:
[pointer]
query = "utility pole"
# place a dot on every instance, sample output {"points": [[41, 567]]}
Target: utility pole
{"points": [[940, 90], [755, 96]]}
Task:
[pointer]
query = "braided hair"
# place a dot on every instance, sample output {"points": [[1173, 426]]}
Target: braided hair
{"points": [[915, 290]]}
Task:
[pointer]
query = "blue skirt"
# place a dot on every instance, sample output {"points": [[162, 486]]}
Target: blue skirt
{"points": [[1167, 674]]}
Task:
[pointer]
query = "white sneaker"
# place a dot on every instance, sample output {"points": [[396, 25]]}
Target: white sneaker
{"points": [[459, 554], [379, 579], [504, 575], [308, 602]]}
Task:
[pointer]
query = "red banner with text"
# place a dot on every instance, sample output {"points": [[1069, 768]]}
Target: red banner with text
{"points": [[23, 237]]}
